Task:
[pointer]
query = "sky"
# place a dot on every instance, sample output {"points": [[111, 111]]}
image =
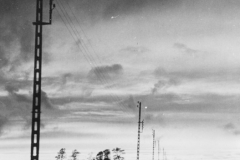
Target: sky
{"points": [[179, 58]]}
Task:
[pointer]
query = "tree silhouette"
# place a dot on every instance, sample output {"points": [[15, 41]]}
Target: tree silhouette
{"points": [[118, 153], [90, 156], [61, 154], [99, 156], [75, 154], [106, 153]]}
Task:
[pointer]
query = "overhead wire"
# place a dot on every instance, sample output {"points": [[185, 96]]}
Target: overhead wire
{"points": [[84, 34], [79, 25], [84, 51], [73, 30], [93, 51]]}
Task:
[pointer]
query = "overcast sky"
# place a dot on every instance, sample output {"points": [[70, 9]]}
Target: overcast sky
{"points": [[180, 58]]}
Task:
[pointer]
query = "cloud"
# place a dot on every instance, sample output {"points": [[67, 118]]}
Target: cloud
{"points": [[230, 127], [28, 124], [87, 91], [188, 103], [65, 77], [164, 84], [11, 89], [161, 102], [99, 10], [129, 103], [16, 28], [46, 101], [103, 74], [3, 122], [185, 49], [165, 80], [18, 106], [237, 132], [61, 133], [17, 33], [156, 118], [126, 7], [134, 50], [211, 74]]}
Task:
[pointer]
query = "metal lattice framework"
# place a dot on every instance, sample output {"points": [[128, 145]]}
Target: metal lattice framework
{"points": [[36, 105], [153, 144], [139, 131]]}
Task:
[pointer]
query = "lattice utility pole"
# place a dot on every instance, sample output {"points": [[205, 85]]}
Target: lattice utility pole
{"points": [[158, 150], [163, 153], [153, 144], [139, 126], [36, 105]]}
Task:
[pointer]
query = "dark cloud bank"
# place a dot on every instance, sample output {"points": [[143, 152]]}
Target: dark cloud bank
{"points": [[16, 28], [18, 106], [103, 74], [17, 33], [16, 49], [97, 10], [232, 128]]}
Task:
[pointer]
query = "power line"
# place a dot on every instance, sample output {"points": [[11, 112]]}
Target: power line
{"points": [[72, 29]]}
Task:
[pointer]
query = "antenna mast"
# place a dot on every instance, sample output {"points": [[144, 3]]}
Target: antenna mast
{"points": [[163, 153], [139, 126], [158, 150], [36, 104], [153, 144]]}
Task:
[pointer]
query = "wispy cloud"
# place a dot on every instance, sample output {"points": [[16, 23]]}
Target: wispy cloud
{"points": [[163, 84], [104, 9], [103, 74], [3, 122], [134, 50], [230, 127], [17, 105], [19, 35], [188, 51], [211, 74], [129, 103], [132, 7]]}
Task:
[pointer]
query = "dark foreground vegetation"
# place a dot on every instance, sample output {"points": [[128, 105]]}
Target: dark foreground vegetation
{"points": [[102, 155]]}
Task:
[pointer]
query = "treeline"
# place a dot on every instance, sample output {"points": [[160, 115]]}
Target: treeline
{"points": [[102, 155]]}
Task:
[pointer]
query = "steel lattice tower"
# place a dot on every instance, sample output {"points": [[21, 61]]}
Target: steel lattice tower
{"points": [[158, 149], [139, 126], [153, 144], [36, 104]]}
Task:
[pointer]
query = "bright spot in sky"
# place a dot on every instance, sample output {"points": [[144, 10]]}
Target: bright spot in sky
{"points": [[145, 107], [114, 16]]}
